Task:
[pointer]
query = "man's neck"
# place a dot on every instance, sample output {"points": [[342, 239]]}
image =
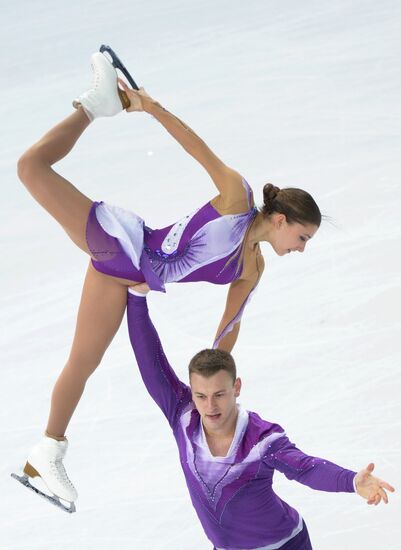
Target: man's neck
{"points": [[219, 441]]}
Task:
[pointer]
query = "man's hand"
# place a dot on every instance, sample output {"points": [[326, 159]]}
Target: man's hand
{"points": [[370, 487], [141, 288]]}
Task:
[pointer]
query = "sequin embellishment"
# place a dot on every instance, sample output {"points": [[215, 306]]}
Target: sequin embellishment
{"points": [[172, 239], [158, 254]]}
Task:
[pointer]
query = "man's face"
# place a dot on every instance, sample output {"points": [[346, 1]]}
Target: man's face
{"points": [[215, 399]]}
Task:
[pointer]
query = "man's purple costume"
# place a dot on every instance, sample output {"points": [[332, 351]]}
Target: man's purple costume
{"points": [[232, 495]]}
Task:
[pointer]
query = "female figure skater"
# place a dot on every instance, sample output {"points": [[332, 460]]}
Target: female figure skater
{"points": [[218, 243]]}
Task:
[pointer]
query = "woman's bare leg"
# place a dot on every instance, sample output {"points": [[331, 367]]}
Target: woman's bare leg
{"points": [[100, 313], [103, 298], [57, 195]]}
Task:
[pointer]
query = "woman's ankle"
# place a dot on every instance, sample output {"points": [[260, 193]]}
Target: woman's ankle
{"points": [[56, 437]]}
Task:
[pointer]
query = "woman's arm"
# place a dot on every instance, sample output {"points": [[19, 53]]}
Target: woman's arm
{"points": [[228, 341], [237, 298], [237, 294], [227, 180]]}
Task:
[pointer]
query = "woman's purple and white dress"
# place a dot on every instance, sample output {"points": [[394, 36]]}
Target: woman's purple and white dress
{"points": [[202, 246]]}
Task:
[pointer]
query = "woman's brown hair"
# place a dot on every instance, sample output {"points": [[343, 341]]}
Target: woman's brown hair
{"points": [[297, 205]]}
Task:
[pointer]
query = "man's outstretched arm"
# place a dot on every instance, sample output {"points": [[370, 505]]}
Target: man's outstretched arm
{"points": [[160, 380], [323, 475]]}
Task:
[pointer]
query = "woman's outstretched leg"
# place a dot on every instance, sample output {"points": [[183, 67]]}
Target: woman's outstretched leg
{"points": [[57, 195], [100, 313], [103, 298]]}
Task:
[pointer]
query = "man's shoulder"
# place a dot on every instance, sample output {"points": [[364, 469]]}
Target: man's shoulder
{"points": [[263, 428], [258, 436]]}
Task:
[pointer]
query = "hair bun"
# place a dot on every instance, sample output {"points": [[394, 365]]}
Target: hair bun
{"points": [[270, 192]]}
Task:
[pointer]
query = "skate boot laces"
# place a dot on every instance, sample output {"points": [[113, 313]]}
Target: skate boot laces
{"points": [[57, 468], [96, 76], [103, 97]]}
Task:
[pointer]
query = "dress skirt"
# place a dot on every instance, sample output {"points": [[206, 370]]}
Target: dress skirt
{"points": [[115, 239]]}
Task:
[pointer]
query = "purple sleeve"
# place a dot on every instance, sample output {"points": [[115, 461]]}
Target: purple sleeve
{"points": [[160, 380], [312, 471]]}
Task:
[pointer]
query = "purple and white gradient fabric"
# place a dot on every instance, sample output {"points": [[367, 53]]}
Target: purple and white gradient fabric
{"points": [[232, 495], [202, 246]]}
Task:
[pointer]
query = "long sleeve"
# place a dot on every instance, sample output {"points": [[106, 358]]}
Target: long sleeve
{"points": [[170, 394], [314, 472]]}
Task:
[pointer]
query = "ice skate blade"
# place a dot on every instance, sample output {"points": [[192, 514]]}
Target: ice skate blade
{"points": [[53, 499], [118, 64]]}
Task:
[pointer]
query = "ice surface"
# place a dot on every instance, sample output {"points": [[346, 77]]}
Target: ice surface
{"points": [[298, 93]]}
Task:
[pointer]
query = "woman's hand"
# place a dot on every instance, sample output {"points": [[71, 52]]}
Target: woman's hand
{"points": [[370, 487], [139, 99]]}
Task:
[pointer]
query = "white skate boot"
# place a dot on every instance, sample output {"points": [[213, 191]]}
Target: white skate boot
{"points": [[104, 98], [45, 461]]}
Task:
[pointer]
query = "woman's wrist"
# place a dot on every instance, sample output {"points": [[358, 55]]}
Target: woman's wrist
{"points": [[155, 109], [150, 105]]}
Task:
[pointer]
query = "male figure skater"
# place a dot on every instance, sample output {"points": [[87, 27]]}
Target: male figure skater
{"points": [[228, 454]]}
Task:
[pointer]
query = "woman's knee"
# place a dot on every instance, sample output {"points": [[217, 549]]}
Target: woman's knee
{"points": [[29, 167], [23, 167], [83, 367]]}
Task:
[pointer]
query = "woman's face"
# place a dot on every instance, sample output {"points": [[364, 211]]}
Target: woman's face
{"points": [[290, 237]]}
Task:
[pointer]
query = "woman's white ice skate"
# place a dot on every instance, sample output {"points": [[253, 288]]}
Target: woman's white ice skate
{"points": [[104, 98], [46, 461]]}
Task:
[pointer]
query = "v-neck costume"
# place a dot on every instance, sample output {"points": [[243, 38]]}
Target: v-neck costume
{"points": [[232, 495], [202, 246]]}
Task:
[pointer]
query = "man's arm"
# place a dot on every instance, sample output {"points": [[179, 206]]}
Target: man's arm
{"points": [[324, 475], [317, 473], [160, 380]]}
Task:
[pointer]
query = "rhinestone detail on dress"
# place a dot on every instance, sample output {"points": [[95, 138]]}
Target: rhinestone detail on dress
{"points": [[172, 239]]}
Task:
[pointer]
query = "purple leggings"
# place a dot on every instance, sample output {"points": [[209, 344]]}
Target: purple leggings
{"points": [[299, 542]]}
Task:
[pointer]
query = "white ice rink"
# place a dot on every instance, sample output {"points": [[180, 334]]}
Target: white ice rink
{"points": [[302, 94]]}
